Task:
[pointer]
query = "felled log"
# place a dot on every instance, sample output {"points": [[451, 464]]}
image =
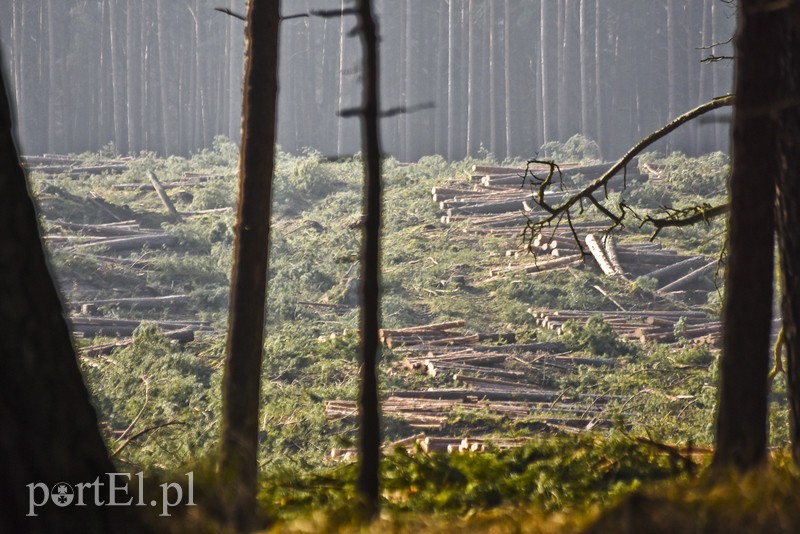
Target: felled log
{"points": [[487, 169], [427, 327], [539, 265], [136, 301], [490, 382], [683, 281], [669, 272], [163, 195], [599, 255], [183, 335], [610, 248], [116, 229], [489, 207], [130, 243]]}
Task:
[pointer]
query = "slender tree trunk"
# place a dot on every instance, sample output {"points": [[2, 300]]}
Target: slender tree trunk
{"points": [[507, 106], [452, 130], [741, 430], [242, 380], [368, 484], [340, 121], [585, 82], [133, 72], [599, 66], [118, 84], [50, 431], [471, 82], [547, 21], [491, 28]]}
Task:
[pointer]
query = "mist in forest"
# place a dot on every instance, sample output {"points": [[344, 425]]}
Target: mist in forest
{"points": [[498, 76]]}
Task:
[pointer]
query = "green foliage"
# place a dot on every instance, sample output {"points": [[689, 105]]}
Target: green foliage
{"points": [[576, 149], [149, 384], [549, 474], [598, 337]]}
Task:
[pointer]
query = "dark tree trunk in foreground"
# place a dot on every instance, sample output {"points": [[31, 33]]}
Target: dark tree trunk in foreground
{"points": [[370, 436], [242, 382], [741, 431], [48, 427], [788, 218]]}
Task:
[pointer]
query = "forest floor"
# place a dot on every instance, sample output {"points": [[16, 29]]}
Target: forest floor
{"points": [[520, 393]]}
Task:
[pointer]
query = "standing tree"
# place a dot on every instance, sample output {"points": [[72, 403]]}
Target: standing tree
{"points": [[370, 436], [242, 381], [741, 431], [49, 427], [788, 219]]}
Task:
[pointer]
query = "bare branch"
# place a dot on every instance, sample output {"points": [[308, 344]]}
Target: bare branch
{"points": [[142, 433], [231, 13], [587, 192], [685, 217], [333, 13]]}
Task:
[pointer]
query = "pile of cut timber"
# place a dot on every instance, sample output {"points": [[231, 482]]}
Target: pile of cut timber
{"points": [[431, 444], [505, 380], [500, 199], [117, 236], [112, 327], [59, 164], [643, 326], [438, 334], [675, 274]]}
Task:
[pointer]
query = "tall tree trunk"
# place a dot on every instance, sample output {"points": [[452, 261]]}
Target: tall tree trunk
{"points": [[507, 106], [368, 484], [788, 208], [585, 82], [119, 86], [49, 427], [452, 130], [241, 386], [472, 61], [741, 430], [547, 21], [133, 71], [340, 121]]}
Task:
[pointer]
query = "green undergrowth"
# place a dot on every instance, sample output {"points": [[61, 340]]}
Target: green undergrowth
{"points": [[550, 474]]}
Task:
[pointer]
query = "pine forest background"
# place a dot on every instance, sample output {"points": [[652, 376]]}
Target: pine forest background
{"points": [[503, 76]]}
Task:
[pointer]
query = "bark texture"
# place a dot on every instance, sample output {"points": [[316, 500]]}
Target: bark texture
{"points": [[741, 427], [242, 381], [48, 427], [788, 219]]}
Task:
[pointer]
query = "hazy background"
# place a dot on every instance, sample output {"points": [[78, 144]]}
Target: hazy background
{"points": [[504, 75]]}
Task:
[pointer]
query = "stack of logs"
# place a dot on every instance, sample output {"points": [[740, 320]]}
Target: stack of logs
{"points": [[500, 199], [429, 444], [438, 334], [644, 326], [54, 164], [504, 380]]}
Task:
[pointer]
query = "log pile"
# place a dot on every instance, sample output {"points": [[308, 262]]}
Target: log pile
{"points": [[499, 202], [52, 164], [493, 377], [84, 327], [643, 326], [431, 444]]}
